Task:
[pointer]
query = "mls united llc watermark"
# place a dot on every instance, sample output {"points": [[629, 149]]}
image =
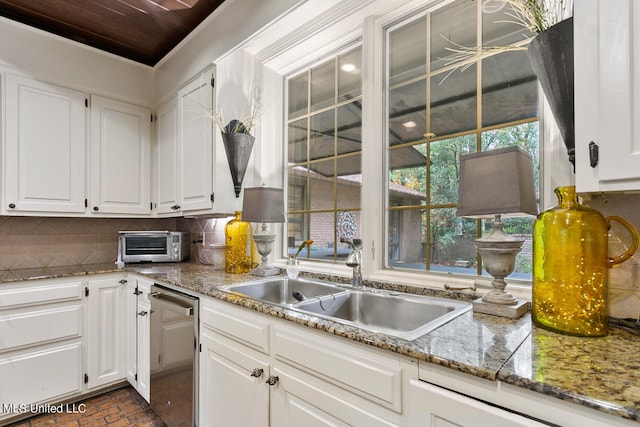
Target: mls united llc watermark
{"points": [[21, 408]]}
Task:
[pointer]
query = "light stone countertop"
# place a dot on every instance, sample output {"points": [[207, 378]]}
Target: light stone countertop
{"points": [[599, 373]]}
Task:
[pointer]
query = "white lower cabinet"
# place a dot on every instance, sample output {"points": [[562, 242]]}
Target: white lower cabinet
{"points": [[41, 347], [233, 388], [137, 335], [105, 331], [288, 376], [431, 406]]}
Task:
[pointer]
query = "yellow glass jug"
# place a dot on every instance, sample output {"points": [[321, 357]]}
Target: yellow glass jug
{"points": [[238, 251], [570, 267]]}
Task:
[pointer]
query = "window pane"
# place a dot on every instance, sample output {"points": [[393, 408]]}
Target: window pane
{"points": [[499, 28], [348, 226], [407, 113], [323, 86], [408, 176], [451, 27], [509, 88], [350, 75], [406, 239], [454, 102], [349, 183], [349, 128], [407, 51], [298, 90], [297, 145], [452, 242], [445, 164], [322, 143], [295, 233], [322, 184], [322, 226]]}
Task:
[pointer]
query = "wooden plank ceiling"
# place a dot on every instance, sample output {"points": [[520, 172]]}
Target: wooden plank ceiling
{"points": [[140, 30]]}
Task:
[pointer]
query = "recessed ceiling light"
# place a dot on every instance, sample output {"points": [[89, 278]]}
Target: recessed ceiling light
{"points": [[349, 68], [409, 124]]}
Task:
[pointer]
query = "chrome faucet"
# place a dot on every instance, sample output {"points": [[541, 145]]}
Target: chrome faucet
{"points": [[354, 260]]}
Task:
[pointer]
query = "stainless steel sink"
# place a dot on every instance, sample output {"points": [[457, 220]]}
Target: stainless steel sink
{"points": [[280, 290], [407, 316]]}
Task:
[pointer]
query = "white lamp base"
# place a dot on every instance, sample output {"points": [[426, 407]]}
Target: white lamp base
{"points": [[511, 311]]}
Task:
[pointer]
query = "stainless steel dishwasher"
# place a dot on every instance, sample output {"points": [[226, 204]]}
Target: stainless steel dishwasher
{"points": [[174, 356]]}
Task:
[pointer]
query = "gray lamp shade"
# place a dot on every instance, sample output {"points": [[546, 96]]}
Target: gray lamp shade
{"points": [[496, 182], [263, 204]]}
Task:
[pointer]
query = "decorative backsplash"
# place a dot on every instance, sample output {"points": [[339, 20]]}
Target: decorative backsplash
{"points": [[33, 242]]}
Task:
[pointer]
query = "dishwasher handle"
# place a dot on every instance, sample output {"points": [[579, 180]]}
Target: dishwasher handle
{"points": [[172, 303]]}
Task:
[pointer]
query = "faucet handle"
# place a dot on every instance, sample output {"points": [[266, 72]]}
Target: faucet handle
{"points": [[354, 243]]}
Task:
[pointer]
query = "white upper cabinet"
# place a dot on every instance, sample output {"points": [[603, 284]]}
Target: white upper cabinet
{"points": [[45, 147], [120, 157], [167, 180], [607, 94], [196, 144]]}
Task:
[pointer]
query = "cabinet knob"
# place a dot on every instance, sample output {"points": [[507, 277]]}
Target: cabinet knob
{"points": [[272, 380], [257, 373], [12, 205], [175, 207], [142, 313], [122, 281], [95, 208]]}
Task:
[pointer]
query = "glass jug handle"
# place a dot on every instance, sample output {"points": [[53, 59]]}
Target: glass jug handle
{"points": [[633, 247]]}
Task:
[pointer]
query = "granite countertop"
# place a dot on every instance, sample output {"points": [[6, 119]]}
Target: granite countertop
{"points": [[599, 373]]}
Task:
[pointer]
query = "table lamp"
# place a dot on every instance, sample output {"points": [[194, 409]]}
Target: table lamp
{"points": [[263, 205], [494, 184]]}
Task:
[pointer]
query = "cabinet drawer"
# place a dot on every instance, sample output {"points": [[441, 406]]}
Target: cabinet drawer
{"points": [[239, 323], [20, 328], [367, 373], [41, 375], [31, 293]]}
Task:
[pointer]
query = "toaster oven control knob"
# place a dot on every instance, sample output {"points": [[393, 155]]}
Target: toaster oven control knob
{"points": [[257, 373], [272, 380]]}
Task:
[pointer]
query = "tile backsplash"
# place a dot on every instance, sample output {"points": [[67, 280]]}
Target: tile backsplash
{"points": [[33, 242]]}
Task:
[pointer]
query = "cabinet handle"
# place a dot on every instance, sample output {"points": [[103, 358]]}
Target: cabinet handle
{"points": [[95, 208], [272, 380], [142, 313], [175, 207], [257, 373], [593, 154], [12, 205], [122, 281]]}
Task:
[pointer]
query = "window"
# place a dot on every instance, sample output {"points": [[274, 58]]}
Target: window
{"points": [[324, 150], [441, 107]]}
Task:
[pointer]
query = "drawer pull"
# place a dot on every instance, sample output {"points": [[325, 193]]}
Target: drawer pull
{"points": [[142, 313], [257, 373], [272, 380]]}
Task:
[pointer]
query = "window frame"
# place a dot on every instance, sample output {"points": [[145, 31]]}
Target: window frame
{"points": [[369, 25]]}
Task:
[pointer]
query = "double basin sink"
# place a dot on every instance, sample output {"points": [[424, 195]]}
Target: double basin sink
{"points": [[401, 315]]}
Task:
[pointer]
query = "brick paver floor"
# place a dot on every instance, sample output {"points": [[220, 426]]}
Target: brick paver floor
{"points": [[119, 408]]}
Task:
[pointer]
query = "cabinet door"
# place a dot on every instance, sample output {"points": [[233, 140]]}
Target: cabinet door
{"points": [[105, 331], [167, 160], [427, 405], [45, 147], [233, 391], [120, 157], [196, 144], [607, 94]]}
